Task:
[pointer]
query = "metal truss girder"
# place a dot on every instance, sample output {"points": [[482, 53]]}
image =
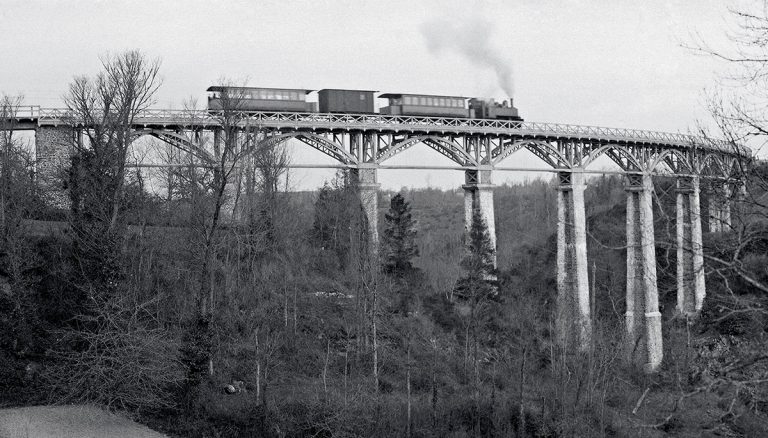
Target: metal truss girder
{"points": [[397, 147], [185, 119], [178, 141], [677, 161], [464, 141], [621, 157], [711, 164], [362, 146], [505, 150], [450, 149], [733, 167], [551, 155], [447, 147], [320, 143]]}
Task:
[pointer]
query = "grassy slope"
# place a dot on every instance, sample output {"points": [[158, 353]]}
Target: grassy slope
{"points": [[69, 422]]}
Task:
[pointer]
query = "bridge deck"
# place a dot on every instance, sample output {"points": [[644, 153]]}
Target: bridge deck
{"points": [[32, 117]]}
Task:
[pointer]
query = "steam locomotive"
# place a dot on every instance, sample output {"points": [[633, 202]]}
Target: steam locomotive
{"points": [[360, 102]]}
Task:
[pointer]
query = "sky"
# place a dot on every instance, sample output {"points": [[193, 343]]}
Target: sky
{"points": [[615, 63]]}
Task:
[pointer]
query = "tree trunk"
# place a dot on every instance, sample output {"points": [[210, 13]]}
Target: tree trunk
{"points": [[285, 306], [258, 368], [476, 380], [325, 367], [434, 386], [346, 370], [521, 413], [375, 345], [408, 385]]}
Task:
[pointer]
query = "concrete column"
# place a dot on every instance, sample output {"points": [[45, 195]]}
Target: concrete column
{"points": [[741, 209], [478, 194], [53, 150], [573, 304], [719, 207], [713, 214], [697, 245], [367, 185], [690, 254], [643, 317], [686, 300], [725, 209]]}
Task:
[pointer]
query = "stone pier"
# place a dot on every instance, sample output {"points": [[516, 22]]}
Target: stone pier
{"points": [[53, 149], [478, 194], [643, 319], [691, 288], [366, 182], [574, 323], [720, 208], [725, 209]]}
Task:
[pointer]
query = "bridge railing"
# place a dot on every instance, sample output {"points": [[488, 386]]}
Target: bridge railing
{"points": [[25, 111], [389, 122]]}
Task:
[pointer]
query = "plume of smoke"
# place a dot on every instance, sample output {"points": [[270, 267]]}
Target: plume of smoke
{"points": [[471, 39]]}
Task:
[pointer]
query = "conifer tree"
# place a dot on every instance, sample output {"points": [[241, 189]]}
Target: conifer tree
{"points": [[399, 238], [479, 282], [475, 290]]}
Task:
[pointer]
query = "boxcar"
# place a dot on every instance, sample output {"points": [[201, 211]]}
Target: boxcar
{"points": [[425, 105], [345, 101], [260, 99]]}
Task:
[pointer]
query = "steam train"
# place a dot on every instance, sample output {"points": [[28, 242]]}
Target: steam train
{"points": [[360, 102]]}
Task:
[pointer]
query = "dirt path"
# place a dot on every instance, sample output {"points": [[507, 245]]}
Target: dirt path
{"points": [[69, 422]]}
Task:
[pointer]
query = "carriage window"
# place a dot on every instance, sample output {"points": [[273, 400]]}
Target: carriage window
{"points": [[422, 101], [408, 100], [294, 95]]}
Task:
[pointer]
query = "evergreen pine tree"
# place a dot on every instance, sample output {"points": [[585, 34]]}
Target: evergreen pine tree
{"points": [[479, 282], [323, 227], [399, 238]]}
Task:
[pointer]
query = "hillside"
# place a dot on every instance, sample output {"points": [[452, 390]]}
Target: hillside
{"points": [[293, 325]]}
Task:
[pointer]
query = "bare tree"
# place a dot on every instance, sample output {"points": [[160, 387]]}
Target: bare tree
{"points": [[104, 109], [17, 191], [735, 260], [212, 185]]}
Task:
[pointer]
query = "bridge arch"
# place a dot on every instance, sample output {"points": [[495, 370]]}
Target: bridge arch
{"points": [[618, 154], [185, 143], [713, 162], [317, 142], [674, 159], [444, 146], [542, 149]]}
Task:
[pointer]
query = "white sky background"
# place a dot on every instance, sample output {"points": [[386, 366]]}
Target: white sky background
{"points": [[615, 63]]}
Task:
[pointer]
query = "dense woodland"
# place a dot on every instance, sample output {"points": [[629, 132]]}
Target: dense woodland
{"points": [[229, 305]]}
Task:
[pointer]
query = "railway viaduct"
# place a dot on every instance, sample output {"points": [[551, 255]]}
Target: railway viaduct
{"points": [[364, 143]]}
